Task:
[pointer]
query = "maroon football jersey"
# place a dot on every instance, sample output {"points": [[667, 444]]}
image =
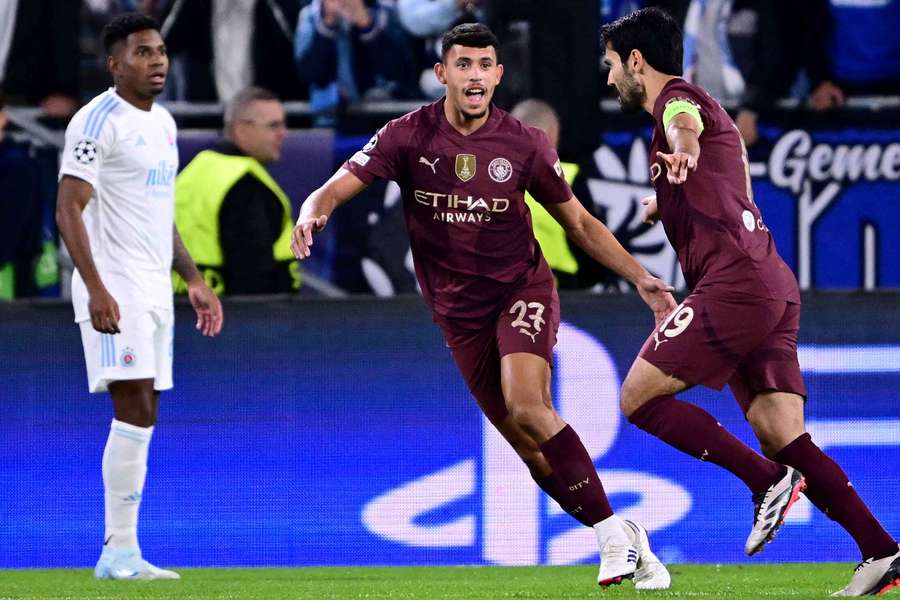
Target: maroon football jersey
{"points": [[722, 243], [463, 198]]}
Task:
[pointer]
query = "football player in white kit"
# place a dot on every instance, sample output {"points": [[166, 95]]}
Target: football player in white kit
{"points": [[115, 211]]}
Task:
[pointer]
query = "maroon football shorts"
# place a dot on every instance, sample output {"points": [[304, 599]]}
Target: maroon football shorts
{"points": [[748, 343], [527, 321]]}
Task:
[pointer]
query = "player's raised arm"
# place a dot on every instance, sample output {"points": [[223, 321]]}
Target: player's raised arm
{"points": [[72, 197], [599, 243], [683, 131], [318, 206]]}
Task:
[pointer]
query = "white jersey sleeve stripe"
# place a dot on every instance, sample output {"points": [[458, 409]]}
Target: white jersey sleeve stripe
{"points": [[92, 116], [101, 119]]}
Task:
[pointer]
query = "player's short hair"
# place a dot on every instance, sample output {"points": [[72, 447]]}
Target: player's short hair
{"points": [[118, 29], [654, 32], [470, 35], [242, 100]]}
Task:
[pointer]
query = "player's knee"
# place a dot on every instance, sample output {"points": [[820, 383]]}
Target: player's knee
{"points": [[139, 416], [531, 417], [630, 398], [138, 411], [772, 436]]}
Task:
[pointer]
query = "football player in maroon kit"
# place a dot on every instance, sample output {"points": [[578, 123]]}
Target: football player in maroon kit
{"points": [[739, 324], [463, 166]]}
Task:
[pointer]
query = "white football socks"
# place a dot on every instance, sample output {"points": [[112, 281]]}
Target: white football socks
{"points": [[611, 528], [124, 470]]}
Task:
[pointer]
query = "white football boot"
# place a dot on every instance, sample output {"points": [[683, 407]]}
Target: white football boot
{"points": [[771, 508], [618, 561], [650, 574], [874, 577], [127, 563]]}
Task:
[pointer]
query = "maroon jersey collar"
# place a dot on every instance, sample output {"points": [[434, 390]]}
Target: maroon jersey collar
{"points": [[659, 99], [494, 119]]}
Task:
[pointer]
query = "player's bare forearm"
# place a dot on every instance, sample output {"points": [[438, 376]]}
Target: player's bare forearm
{"points": [[339, 189], [601, 245], [595, 239], [318, 206], [182, 261], [72, 197], [683, 135]]}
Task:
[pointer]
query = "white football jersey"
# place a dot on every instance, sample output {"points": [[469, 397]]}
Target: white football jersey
{"points": [[130, 157]]}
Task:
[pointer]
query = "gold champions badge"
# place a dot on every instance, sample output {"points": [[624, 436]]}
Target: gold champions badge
{"points": [[465, 166]]}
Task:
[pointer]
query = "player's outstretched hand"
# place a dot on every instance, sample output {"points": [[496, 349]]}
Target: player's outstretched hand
{"points": [[210, 317], [104, 312], [651, 213], [678, 164], [658, 296], [302, 236]]}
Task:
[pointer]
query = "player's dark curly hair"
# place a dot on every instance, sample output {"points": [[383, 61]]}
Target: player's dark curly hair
{"points": [[124, 25], [470, 35], [654, 32]]}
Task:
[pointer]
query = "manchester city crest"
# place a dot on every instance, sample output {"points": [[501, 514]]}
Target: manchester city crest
{"points": [[500, 170], [465, 166]]}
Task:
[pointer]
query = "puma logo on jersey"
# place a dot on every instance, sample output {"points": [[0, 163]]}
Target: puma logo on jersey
{"points": [[432, 164], [533, 336]]}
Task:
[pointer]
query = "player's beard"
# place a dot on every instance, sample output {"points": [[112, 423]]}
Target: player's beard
{"points": [[474, 116], [632, 94]]}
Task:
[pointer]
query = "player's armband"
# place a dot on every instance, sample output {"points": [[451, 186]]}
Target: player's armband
{"points": [[676, 106]]}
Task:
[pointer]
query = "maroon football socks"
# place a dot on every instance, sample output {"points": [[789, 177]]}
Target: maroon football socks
{"points": [[694, 431], [553, 487], [828, 488], [574, 483]]}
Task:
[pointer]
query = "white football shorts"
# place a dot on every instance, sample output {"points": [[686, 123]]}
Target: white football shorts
{"points": [[142, 349]]}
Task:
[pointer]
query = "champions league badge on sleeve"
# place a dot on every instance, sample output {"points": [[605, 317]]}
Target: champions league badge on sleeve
{"points": [[85, 151], [370, 145]]}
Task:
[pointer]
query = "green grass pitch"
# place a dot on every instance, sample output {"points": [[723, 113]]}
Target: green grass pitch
{"points": [[793, 581]]}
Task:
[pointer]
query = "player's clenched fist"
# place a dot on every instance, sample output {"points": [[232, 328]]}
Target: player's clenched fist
{"points": [[677, 165], [302, 236]]}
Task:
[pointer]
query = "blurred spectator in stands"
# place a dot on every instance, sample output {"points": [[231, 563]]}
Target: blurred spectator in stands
{"points": [[235, 220], [549, 233], [219, 47], [424, 18], [39, 54], [610, 10], [351, 50], [749, 53], [7, 270], [427, 20], [865, 46], [20, 215]]}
